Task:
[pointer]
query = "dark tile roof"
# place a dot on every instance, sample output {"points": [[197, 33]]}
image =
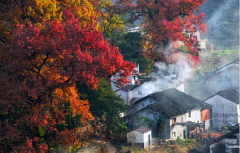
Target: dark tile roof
{"points": [[230, 94], [143, 129], [172, 102]]}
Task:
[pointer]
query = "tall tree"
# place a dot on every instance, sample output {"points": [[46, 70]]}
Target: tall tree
{"points": [[39, 68]]}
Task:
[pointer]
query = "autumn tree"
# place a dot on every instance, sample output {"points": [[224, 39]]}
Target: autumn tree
{"points": [[40, 105], [38, 11], [165, 22]]}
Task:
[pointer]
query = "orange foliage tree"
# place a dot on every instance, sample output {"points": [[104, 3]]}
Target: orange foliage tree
{"points": [[38, 11], [40, 107]]}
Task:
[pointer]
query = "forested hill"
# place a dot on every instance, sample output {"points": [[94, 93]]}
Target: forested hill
{"points": [[222, 19]]}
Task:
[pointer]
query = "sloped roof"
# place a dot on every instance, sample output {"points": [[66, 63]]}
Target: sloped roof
{"points": [[236, 61], [173, 102], [230, 94], [143, 129]]}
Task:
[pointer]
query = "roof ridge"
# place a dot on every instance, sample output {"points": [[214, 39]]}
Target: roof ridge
{"points": [[237, 59], [219, 92]]}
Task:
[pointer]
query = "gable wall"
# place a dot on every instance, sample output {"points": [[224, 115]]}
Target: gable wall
{"points": [[223, 111]]}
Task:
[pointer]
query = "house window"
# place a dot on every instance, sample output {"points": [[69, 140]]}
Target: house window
{"points": [[189, 114], [143, 105], [181, 119], [173, 120], [139, 92], [174, 134], [150, 101]]}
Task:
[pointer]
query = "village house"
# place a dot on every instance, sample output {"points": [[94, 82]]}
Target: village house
{"points": [[141, 137], [225, 108], [229, 143], [140, 87], [203, 41], [132, 79], [171, 114], [143, 87], [225, 77]]}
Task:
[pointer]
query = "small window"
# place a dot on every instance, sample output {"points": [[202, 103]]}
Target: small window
{"points": [[150, 101], [143, 105], [174, 134], [181, 119], [173, 120], [139, 92], [189, 114]]}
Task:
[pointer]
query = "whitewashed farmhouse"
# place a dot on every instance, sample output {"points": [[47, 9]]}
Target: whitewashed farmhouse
{"points": [[143, 87], [141, 137], [171, 112], [225, 108]]}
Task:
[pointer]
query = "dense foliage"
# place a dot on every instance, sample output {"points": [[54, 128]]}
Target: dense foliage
{"points": [[131, 48], [105, 102], [39, 70], [166, 22]]}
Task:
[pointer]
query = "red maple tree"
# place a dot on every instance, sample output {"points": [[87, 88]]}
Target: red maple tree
{"points": [[166, 21], [39, 69]]}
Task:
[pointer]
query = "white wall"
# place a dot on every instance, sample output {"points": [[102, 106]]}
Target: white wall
{"points": [[179, 132], [238, 112], [137, 135], [145, 138], [202, 42], [181, 87], [124, 95], [207, 125], [222, 106], [195, 117]]}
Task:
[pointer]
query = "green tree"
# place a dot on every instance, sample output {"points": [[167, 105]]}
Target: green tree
{"points": [[104, 102], [132, 50]]}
